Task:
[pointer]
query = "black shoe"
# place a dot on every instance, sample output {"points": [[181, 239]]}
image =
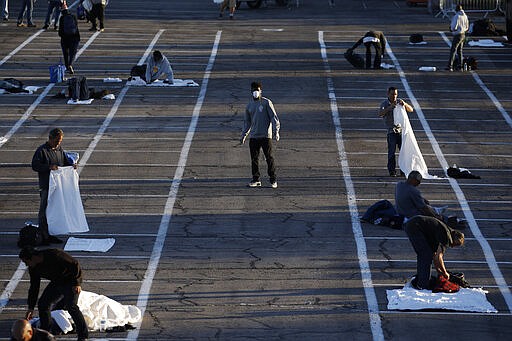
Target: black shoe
{"points": [[45, 27], [392, 173], [32, 25], [54, 240], [5, 19]]}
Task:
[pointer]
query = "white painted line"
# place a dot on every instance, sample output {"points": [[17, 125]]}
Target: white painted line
{"points": [[446, 261], [468, 214], [489, 93], [22, 45], [366, 276], [423, 312], [11, 286], [145, 289]]}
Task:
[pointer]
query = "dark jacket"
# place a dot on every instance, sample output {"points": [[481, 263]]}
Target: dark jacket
{"points": [[68, 37], [43, 158], [58, 267], [375, 34]]}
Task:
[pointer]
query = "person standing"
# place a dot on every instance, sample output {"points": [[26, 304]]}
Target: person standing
{"points": [[394, 134], [65, 276], [430, 238], [22, 330], [54, 7], [98, 12], [378, 41], [26, 7], [5, 10], [459, 26], [48, 156], [232, 6], [69, 37], [261, 124]]}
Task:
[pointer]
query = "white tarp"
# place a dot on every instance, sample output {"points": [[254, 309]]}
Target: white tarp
{"points": [[65, 212], [96, 308], [467, 299], [410, 157]]}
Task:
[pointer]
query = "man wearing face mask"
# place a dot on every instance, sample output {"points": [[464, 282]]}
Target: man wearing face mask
{"points": [[261, 125]]}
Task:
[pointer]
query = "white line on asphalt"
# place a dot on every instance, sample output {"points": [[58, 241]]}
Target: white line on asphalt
{"points": [[486, 248], [22, 45], [11, 286], [371, 298], [173, 192], [489, 93]]}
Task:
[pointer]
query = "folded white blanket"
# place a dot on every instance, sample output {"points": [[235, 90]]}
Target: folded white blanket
{"points": [[467, 299], [85, 101], [91, 245], [176, 82]]}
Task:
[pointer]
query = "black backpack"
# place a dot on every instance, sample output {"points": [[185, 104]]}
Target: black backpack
{"points": [[69, 27], [78, 88], [30, 235]]}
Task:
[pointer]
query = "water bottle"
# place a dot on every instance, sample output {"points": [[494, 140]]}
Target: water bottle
{"points": [[465, 66], [103, 325]]}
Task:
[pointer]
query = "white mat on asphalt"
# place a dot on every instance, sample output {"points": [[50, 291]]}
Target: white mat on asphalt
{"points": [[160, 83], [91, 245]]}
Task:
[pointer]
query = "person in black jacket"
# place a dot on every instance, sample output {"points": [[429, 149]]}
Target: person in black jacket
{"points": [[69, 37], [49, 156], [65, 275], [22, 330], [378, 41]]}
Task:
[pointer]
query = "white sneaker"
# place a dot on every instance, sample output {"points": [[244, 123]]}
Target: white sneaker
{"points": [[274, 184], [255, 184]]}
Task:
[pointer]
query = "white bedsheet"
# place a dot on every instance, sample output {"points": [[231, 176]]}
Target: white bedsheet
{"points": [[89, 245]]}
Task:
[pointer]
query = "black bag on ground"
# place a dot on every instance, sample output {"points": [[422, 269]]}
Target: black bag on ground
{"points": [[12, 85], [139, 71], [383, 213], [78, 88], [459, 278], [355, 59], [484, 27], [30, 235]]}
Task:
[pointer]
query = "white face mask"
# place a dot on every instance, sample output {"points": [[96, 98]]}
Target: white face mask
{"points": [[256, 94]]}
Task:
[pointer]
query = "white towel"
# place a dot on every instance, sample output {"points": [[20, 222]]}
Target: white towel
{"points": [[85, 101], [387, 66], [467, 299], [420, 43], [112, 80], [176, 82], [65, 212], [410, 157], [90, 245]]}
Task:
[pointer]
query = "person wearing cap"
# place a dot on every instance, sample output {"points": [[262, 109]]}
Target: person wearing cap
{"points": [[65, 276], [430, 238], [408, 199]]}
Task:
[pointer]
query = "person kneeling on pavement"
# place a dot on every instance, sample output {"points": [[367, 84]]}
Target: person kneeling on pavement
{"points": [[430, 238], [378, 41]]}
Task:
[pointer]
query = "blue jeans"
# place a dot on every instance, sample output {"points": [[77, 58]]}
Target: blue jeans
{"points": [[394, 141], [457, 45], [28, 6], [53, 7], [5, 8]]}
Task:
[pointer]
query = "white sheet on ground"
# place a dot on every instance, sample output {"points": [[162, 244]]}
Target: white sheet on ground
{"points": [[410, 157], [85, 101], [160, 83], [65, 212], [485, 43], [420, 43], [90, 245], [467, 299], [387, 66], [112, 80], [96, 308]]}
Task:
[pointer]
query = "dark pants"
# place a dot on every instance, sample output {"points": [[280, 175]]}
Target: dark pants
{"points": [[63, 296], [43, 222], [69, 48], [254, 146], [424, 255], [53, 6], [28, 6], [394, 141], [97, 12], [378, 54], [457, 45]]}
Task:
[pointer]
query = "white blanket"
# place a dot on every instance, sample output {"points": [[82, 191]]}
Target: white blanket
{"points": [[485, 43], [467, 299], [85, 101], [96, 308], [410, 157], [90, 245], [65, 212], [176, 82]]}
